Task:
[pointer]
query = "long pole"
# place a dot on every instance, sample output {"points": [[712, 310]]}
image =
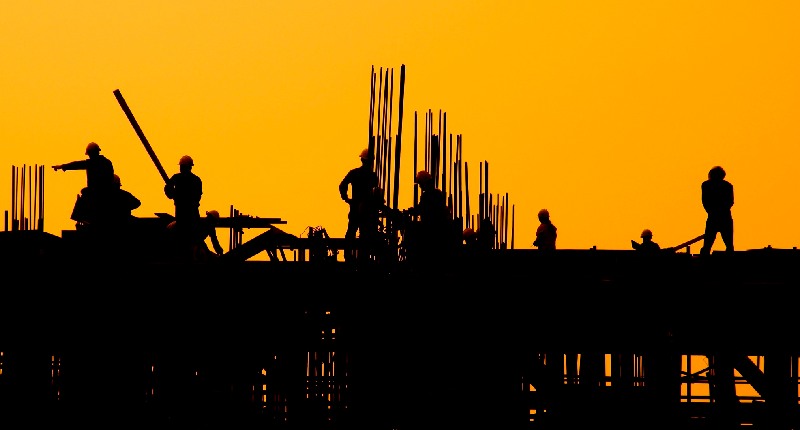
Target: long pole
{"points": [[389, 178], [140, 133], [396, 195], [466, 192], [512, 227], [13, 198], [41, 198], [505, 234], [371, 143], [416, 192]]}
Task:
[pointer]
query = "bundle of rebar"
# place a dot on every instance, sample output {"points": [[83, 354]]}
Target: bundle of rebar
{"points": [[26, 181]]}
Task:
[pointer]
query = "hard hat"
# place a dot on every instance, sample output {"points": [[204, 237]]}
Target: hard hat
{"points": [[213, 213], [422, 176], [716, 172], [117, 181], [468, 233], [647, 233], [186, 161], [92, 147], [364, 155], [544, 213]]}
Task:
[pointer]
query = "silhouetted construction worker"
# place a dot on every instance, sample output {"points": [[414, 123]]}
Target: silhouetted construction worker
{"points": [[486, 233], [185, 189], [647, 244], [360, 181], [434, 233], [121, 203], [99, 184], [546, 233], [470, 237], [717, 195], [207, 229]]}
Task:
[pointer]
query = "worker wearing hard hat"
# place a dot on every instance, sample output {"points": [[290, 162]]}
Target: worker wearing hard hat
{"points": [[647, 244], [717, 197], [356, 188], [99, 184], [185, 189], [546, 233], [435, 234], [122, 203], [207, 229]]}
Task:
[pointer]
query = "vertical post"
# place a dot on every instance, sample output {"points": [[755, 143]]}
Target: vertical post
{"points": [[30, 198], [13, 195], [41, 198], [395, 196], [505, 233], [389, 181], [416, 192], [466, 193], [22, 201], [371, 142], [512, 227], [481, 204], [459, 161]]}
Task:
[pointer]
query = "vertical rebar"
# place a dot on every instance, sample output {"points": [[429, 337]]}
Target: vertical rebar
{"points": [[396, 195], [512, 227], [22, 201], [466, 193], [505, 233], [41, 198], [416, 192]]}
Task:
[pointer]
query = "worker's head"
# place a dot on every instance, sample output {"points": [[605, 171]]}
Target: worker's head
{"points": [[213, 214], [117, 181], [469, 233], [365, 155], [186, 163], [544, 214], [423, 177], [92, 148], [646, 234], [716, 173]]}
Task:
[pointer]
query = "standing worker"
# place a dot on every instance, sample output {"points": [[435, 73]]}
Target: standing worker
{"points": [[99, 184], [434, 236], [185, 189], [361, 181], [717, 196], [546, 233]]}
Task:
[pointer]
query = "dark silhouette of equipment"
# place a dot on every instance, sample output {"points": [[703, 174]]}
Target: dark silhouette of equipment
{"points": [[141, 135]]}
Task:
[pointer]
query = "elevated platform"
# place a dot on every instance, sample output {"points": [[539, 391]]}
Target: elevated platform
{"points": [[505, 339]]}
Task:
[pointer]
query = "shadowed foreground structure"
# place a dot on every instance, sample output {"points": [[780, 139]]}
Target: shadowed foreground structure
{"points": [[504, 339]]}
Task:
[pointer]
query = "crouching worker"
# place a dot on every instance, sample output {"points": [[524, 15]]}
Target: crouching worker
{"points": [[189, 241]]}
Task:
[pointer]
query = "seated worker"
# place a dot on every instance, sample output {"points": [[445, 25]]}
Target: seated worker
{"points": [[121, 203], [647, 244]]}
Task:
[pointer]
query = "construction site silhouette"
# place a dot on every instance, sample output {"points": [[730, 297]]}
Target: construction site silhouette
{"points": [[389, 329]]}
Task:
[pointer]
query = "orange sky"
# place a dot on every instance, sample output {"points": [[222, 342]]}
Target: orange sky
{"points": [[609, 114]]}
